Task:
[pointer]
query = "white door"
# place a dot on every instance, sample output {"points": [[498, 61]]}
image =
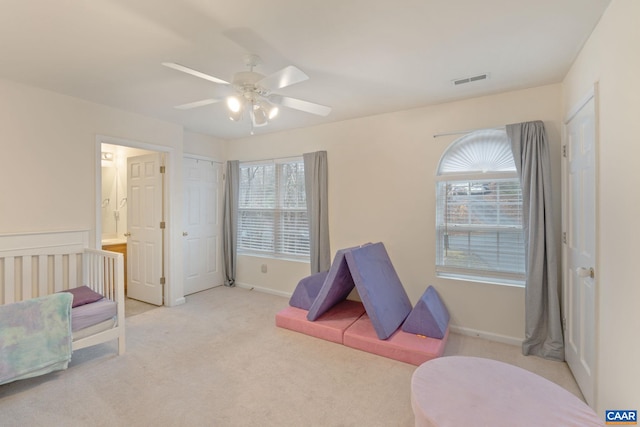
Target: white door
{"points": [[202, 224], [579, 252], [144, 231]]}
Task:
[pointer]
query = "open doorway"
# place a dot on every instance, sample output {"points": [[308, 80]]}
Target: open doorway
{"points": [[130, 218]]}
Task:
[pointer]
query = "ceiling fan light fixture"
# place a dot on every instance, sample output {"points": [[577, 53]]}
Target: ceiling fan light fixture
{"points": [[270, 110], [236, 116], [234, 104], [259, 115], [273, 111]]}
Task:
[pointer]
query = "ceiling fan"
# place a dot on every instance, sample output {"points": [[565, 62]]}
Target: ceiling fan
{"points": [[253, 92]]}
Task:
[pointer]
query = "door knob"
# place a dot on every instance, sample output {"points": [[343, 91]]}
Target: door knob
{"points": [[127, 234], [184, 233], [585, 272]]}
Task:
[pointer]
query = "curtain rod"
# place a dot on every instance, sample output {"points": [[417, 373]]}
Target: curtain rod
{"points": [[273, 159], [462, 132]]}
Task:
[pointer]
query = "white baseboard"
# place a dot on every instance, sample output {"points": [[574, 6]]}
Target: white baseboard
{"points": [[486, 335], [178, 301], [264, 290]]}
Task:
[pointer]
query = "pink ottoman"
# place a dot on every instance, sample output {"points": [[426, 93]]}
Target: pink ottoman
{"points": [[460, 391]]}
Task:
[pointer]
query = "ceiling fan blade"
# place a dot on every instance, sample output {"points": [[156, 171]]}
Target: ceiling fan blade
{"points": [[196, 104], [194, 72], [283, 78], [299, 104]]}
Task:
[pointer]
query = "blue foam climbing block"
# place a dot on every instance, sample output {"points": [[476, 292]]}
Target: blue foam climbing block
{"points": [[307, 290], [336, 287], [429, 317], [379, 287]]}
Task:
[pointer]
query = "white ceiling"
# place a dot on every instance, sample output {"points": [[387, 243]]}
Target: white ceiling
{"points": [[363, 57]]}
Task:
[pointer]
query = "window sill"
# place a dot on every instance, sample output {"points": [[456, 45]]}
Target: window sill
{"points": [[274, 257], [479, 279]]}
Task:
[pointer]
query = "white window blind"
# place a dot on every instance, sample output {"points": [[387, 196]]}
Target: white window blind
{"points": [[479, 211], [272, 209]]}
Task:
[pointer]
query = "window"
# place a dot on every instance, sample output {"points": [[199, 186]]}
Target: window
{"points": [[479, 211], [272, 209]]}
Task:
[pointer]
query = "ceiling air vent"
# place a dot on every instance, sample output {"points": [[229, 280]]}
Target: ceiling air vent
{"points": [[465, 80]]}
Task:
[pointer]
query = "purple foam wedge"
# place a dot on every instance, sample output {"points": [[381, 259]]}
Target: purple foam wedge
{"points": [[307, 290], [336, 287], [379, 287], [429, 317]]}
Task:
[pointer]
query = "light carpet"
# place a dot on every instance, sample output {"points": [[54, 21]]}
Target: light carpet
{"points": [[219, 360]]}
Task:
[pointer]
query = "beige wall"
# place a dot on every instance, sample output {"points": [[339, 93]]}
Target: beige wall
{"points": [[48, 149], [205, 145], [48, 164], [382, 188], [611, 57]]}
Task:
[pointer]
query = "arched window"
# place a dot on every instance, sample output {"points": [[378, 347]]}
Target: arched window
{"points": [[479, 211]]}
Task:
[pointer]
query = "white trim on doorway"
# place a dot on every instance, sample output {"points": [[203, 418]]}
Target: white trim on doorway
{"points": [[173, 295]]}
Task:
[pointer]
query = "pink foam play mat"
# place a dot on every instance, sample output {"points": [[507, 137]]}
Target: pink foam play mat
{"points": [[330, 326], [402, 346]]}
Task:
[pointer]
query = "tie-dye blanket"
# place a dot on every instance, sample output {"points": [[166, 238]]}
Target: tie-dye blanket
{"points": [[35, 337]]}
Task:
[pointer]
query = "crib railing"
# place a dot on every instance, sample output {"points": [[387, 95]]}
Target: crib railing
{"points": [[102, 271], [39, 264]]}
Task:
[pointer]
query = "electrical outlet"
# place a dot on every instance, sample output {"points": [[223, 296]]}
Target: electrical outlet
{"points": [[263, 268]]}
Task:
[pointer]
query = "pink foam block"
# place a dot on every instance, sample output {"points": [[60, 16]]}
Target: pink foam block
{"points": [[402, 346], [330, 326]]}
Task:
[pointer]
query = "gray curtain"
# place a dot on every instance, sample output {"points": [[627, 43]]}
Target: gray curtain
{"points": [[543, 324], [316, 188], [230, 222]]}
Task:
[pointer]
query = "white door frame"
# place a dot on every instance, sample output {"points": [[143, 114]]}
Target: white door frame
{"points": [[170, 162], [591, 95]]}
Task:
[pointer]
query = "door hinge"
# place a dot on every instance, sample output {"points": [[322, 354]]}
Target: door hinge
{"points": [[163, 225], [564, 237], [163, 169], [564, 150], [564, 323], [162, 280]]}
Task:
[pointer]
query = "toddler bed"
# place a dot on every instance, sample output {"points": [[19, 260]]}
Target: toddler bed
{"points": [[35, 265]]}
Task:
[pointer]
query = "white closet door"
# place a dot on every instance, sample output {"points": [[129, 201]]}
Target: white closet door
{"points": [[202, 224], [580, 248]]}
